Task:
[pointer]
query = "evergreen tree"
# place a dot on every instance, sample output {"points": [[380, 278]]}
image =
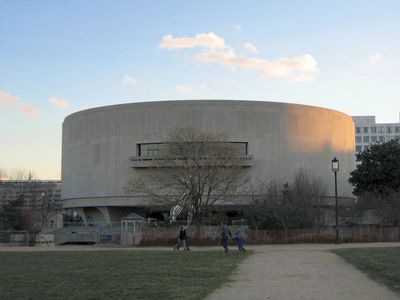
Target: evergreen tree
{"points": [[10, 214], [379, 171]]}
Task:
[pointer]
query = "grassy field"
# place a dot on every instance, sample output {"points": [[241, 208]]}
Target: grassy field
{"points": [[381, 264], [114, 274]]}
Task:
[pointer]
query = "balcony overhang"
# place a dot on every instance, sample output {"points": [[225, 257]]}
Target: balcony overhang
{"points": [[162, 161]]}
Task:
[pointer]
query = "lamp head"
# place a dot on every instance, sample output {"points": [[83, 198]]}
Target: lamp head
{"points": [[335, 164]]}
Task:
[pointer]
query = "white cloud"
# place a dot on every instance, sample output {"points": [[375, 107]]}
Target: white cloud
{"points": [[215, 51], [184, 89], [203, 40], [374, 58], [304, 66], [9, 102], [129, 80], [250, 47], [61, 103]]}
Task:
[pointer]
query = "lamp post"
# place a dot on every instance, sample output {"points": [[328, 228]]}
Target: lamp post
{"points": [[44, 210], [335, 169]]}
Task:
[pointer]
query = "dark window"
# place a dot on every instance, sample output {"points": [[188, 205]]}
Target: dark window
{"points": [[149, 150], [162, 149]]}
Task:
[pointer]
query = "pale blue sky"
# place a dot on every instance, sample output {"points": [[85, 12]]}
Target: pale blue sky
{"points": [[342, 55]]}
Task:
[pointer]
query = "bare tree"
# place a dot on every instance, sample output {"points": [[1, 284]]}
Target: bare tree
{"points": [[22, 175], [19, 174], [3, 174], [290, 205], [197, 171], [46, 209]]}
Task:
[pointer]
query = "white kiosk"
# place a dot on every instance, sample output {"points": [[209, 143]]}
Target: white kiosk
{"points": [[131, 229]]}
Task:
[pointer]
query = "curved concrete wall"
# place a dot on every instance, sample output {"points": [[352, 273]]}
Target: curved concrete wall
{"points": [[282, 138]]}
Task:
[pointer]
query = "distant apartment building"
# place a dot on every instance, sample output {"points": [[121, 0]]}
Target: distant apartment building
{"points": [[36, 193], [368, 132]]}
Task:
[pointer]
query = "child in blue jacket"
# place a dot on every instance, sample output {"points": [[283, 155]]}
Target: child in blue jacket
{"points": [[240, 241]]}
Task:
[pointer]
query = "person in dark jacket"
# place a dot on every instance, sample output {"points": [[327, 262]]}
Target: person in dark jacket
{"points": [[182, 239], [185, 243], [225, 234]]}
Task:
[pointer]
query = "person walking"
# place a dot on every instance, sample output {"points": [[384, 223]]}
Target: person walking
{"points": [[225, 234], [185, 239], [181, 238], [240, 241]]}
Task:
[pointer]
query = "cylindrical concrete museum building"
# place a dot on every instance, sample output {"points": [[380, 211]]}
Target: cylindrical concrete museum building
{"points": [[100, 145]]}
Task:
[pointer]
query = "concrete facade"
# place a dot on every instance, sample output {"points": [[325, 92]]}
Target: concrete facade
{"points": [[98, 144]]}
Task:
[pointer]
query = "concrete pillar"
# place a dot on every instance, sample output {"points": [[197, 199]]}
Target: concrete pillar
{"points": [[104, 210]]}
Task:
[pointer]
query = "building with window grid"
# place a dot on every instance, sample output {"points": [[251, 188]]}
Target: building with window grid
{"points": [[41, 197], [368, 132], [34, 192]]}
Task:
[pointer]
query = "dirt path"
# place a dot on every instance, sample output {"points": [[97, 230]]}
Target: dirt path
{"points": [[301, 272]]}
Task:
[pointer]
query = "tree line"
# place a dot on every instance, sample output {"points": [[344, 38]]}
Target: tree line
{"points": [[201, 170]]}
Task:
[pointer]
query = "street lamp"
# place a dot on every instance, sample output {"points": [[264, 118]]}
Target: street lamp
{"points": [[335, 169], [43, 210]]}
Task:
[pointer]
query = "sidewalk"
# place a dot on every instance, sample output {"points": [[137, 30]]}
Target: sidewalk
{"points": [[280, 272]]}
